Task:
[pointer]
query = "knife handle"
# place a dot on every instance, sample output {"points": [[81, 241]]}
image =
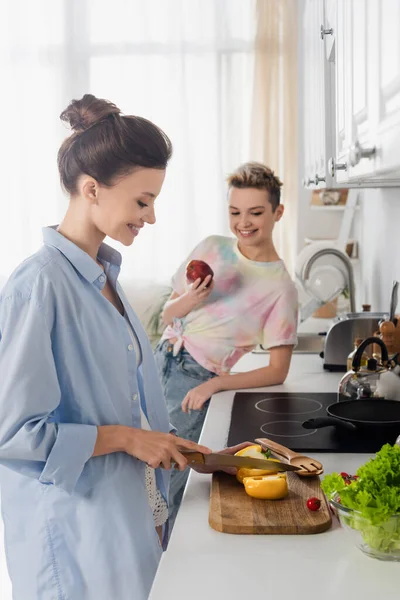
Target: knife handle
{"points": [[193, 456], [277, 448]]}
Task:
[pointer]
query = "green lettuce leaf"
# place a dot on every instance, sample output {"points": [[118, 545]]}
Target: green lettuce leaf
{"points": [[375, 495]]}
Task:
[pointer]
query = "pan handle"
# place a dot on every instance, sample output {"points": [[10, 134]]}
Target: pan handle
{"points": [[320, 422]]}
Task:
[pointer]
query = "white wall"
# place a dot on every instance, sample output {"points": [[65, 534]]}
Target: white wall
{"points": [[379, 234]]}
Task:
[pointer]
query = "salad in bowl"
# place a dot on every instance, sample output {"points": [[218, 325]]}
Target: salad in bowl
{"points": [[368, 503]]}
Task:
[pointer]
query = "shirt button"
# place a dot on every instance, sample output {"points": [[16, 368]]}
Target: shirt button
{"points": [[102, 278], [134, 397], [130, 347]]}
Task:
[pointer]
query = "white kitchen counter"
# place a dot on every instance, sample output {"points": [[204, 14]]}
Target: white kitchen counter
{"points": [[201, 563]]}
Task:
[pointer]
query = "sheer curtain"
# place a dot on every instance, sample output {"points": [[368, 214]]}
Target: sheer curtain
{"points": [[275, 108], [188, 65]]}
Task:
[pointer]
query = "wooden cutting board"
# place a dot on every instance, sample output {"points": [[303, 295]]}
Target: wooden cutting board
{"points": [[233, 511]]}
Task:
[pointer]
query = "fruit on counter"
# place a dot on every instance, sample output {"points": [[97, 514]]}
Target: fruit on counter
{"points": [[374, 496], [267, 487], [313, 504], [255, 451], [198, 269]]}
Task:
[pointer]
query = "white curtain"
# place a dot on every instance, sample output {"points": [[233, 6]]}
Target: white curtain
{"points": [[275, 110], [188, 65]]}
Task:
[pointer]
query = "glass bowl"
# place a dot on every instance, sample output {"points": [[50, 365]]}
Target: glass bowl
{"points": [[380, 541]]}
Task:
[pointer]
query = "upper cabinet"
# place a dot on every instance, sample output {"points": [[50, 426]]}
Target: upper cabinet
{"points": [[318, 81], [364, 131], [384, 19]]}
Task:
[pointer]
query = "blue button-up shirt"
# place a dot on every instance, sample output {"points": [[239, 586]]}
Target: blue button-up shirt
{"points": [[76, 527]]}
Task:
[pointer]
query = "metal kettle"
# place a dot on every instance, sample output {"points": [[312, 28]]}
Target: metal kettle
{"points": [[363, 382]]}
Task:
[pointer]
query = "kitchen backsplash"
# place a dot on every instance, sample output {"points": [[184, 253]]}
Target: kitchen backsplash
{"points": [[378, 229]]}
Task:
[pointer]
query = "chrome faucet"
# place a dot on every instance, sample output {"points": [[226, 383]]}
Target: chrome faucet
{"points": [[349, 267]]}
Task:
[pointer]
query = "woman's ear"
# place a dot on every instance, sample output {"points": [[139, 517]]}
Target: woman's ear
{"points": [[280, 209], [88, 188]]}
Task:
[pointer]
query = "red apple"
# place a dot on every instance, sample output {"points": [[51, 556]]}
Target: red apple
{"points": [[198, 269]]}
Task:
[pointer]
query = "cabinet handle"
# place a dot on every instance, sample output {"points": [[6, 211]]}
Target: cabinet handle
{"points": [[357, 152], [333, 167], [315, 181], [308, 181], [325, 32]]}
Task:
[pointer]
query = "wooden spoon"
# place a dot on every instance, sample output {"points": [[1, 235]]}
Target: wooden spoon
{"points": [[309, 466]]}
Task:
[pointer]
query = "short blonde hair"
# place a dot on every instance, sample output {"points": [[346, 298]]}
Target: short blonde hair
{"points": [[258, 176]]}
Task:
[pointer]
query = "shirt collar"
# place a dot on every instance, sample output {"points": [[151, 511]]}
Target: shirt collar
{"points": [[80, 260]]}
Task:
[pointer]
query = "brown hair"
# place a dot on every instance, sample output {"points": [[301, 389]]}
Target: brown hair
{"points": [[106, 144], [256, 175]]}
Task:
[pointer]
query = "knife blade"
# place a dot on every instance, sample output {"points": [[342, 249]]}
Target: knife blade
{"points": [[230, 460]]}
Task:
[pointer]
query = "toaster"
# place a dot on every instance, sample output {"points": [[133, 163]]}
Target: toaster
{"points": [[339, 340]]}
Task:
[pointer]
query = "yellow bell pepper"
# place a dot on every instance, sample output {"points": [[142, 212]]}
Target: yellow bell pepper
{"points": [[267, 487], [244, 472], [255, 451]]}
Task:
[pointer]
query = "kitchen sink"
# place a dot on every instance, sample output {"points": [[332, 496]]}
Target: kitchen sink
{"points": [[308, 343]]}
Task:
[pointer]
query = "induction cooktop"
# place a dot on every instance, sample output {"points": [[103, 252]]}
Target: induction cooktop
{"points": [[279, 417]]}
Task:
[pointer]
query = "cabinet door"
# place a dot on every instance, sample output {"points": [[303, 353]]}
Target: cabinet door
{"points": [[354, 113], [385, 27], [316, 97], [342, 80], [367, 93], [330, 25]]}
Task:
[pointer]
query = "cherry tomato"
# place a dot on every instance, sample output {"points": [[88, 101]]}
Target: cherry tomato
{"points": [[345, 475], [313, 504]]}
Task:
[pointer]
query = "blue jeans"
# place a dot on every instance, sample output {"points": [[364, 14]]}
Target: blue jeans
{"points": [[179, 374]]}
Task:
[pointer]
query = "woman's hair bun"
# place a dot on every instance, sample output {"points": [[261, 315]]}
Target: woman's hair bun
{"points": [[86, 112]]}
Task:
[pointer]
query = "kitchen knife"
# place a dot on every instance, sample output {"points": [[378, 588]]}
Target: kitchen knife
{"points": [[230, 460]]}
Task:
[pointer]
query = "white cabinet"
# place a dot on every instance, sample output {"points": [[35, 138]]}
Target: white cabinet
{"points": [[329, 26], [318, 75], [354, 114], [385, 22], [360, 133]]}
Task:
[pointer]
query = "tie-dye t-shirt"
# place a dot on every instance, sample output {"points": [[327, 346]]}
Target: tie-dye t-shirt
{"points": [[251, 303]]}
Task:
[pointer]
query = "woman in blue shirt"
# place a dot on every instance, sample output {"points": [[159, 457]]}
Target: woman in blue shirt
{"points": [[85, 442]]}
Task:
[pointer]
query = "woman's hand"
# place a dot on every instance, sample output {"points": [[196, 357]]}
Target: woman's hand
{"points": [[178, 306], [160, 449], [155, 448], [230, 470], [198, 292], [198, 396]]}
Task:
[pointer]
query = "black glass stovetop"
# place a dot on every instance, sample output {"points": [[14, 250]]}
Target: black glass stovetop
{"points": [[279, 417]]}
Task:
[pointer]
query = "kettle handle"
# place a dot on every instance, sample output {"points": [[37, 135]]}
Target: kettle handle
{"points": [[367, 342]]}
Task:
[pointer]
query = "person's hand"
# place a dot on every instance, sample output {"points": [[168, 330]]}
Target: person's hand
{"points": [[198, 396], [199, 291], [159, 449], [230, 470]]}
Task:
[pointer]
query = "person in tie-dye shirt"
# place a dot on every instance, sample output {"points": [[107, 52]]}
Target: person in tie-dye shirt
{"points": [[251, 300]]}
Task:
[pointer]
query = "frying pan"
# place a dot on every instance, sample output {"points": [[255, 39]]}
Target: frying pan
{"points": [[354, 415]]}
